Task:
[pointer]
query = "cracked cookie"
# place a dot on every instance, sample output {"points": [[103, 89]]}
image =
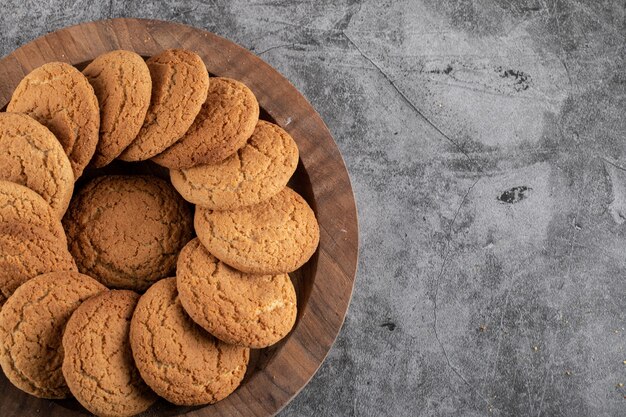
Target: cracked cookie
{"points": [[255, 311], [31, 328], [180, 83], [19, 204], [31, 156], [98, 364], [177, 358], [272, 237], [253, 174], [59, 96], [121, 81], [27, 251], [126, 231], [223, 126]]}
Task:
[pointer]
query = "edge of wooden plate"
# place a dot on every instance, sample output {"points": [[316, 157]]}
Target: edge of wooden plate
{"points": [[269, 389]]}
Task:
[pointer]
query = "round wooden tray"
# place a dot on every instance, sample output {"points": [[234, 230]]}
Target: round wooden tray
{"points": [[324, 284]]}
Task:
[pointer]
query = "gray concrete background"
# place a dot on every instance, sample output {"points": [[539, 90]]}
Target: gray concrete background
{"points": [[485, 141]]}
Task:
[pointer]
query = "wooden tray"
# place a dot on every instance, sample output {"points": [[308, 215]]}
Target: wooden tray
{"points": [[324, 285]]}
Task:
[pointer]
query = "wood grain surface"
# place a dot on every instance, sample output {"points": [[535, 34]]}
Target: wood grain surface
{"points": [[324, 285]]}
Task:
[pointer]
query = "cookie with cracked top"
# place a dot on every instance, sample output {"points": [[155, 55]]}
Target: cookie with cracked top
{"points": [[253, 174], [31, 328], [223, 126], [126, 231], [19, 204], [27, 251], [59, 96], [30, 155], [180, 83], [249, 310], [272, 237], [121, 81], [98, 364], [178, 359]]}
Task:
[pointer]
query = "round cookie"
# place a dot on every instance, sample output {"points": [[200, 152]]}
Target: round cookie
{"points": [[121, 81], [98, 364], [126, 231], [27, 251], [255, 311], [224, 124], [177, 358], [180, 83], [60, 97], [275, 236], [31, 329], [19, 204], [31, 156], [255, 173]]}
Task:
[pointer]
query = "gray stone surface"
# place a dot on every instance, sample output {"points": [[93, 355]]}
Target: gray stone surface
{"points": [[471, 300]]}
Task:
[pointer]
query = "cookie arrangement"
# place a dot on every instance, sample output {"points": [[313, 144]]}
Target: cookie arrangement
{"points": [[132, 287]]}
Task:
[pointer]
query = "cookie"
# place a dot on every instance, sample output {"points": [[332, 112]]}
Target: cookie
{"points": [[98, 364], [19, 204], [27, 251], [180, 83], [224, 124], [31, 329], [126, 231], [60, 97], [253, 174], [121, 81], [276, 236], [177, 358], [248, 310], [30, 155]]}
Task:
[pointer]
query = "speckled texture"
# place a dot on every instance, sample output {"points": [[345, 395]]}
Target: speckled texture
{"points": [[19, 204], [253, 174], [224, 124], [532, 91], [122, 84], [255, 311], [31, 328], [127, 231], [275, 236], [180, 84], [98, 364], [27, 251], [178, 359], [30, 155], [58, 96]]}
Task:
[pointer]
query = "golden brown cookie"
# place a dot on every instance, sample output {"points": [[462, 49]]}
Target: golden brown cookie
{"points": [[60, 97], [121, 81], [253, 174], [30, 155], [31, 329], [98, 364], [176, 357], [224, 124], [180, 83], [276, 236], [248, 310], [27, 251], [126, 231], [19, 204]]}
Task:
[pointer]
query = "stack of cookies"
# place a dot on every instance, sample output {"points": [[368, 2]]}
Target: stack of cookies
{"points": [[134, 286]]}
